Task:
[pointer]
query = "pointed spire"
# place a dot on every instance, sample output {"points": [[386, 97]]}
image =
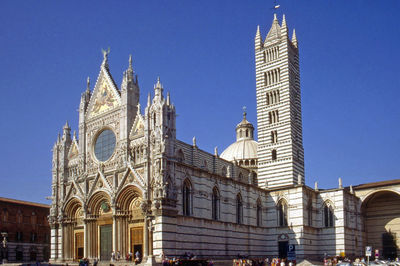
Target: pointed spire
{"points": [[138, 108], [316, 186], [74, 136], [66, 131], [351, 189], [294, 38], [257, 39], [340, 182], [130, 62], [216, 151], [284, 26], [148, 99], [58, 137], [66, 126], [158, 88], [88, 84], [168, 99], [275, 30]]}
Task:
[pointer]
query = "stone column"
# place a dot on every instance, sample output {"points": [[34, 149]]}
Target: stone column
{"points": [[60, 244], [145, 238], [85, 239], [114, 234]]}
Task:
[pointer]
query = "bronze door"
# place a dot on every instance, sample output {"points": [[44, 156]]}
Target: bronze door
{"points": [[105, 242]]}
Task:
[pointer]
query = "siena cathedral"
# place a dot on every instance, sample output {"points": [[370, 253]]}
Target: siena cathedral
{"points": [[125, 183]]}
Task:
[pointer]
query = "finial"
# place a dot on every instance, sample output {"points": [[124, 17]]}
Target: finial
{"points": [[194, 141], [294, 38], [88, 84], [299, 179], [74, 134], [340, 182], [130, 61], [258, 30], [105, 56], [66, 126], [138, 108], [158, 84], [148, 99], [244, 112], [58, 137], [316, 186], [168, 99], [351, 189], [275, 18], [216, 151]]}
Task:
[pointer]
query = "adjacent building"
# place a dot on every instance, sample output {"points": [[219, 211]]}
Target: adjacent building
{"points": [[25, 229]]}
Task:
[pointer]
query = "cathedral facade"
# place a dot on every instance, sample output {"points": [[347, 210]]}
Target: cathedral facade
{"points": [[125, 183]]}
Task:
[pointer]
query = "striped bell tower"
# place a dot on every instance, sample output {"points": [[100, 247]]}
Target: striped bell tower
{"points": [[280, 138]]}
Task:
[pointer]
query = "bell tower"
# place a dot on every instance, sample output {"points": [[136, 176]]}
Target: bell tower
{"points": [[280, 142]]}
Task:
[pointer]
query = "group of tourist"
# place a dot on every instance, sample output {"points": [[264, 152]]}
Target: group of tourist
{"points": [[263, 262], [129, 257]]}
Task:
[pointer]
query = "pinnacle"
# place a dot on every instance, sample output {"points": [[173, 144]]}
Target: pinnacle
{"points": [[66, 126]]}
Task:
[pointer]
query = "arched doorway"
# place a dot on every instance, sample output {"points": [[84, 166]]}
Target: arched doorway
{"points": [[381, 212], [100, 226], [73, 228], [130, 221]]}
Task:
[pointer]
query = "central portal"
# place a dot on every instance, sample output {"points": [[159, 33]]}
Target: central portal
{"points": [[137, 240], [105, 242]]}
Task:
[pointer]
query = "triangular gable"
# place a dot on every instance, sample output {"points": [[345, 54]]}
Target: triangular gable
{"points": [[138, 126], [73, 151], [105, 94]]}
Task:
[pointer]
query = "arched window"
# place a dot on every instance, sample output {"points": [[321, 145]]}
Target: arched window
{"points": [[187, 198], [215, 204], [282, 213], [259, 212], [240, 176], [180, 156], [273, 155], [5, 215], [239, 209], [309, 211], [224, 171], [328, 215]]}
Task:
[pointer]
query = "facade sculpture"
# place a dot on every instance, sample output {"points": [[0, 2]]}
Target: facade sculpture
{"points": [[128, 184]]}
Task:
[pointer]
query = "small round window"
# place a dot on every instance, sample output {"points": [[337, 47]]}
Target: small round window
{"points": [[105, 145]]}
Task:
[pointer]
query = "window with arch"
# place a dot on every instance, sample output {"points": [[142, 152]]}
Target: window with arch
{"points": [[274, 155], [180, 156], [239, 209], [259, 213], [215, 204], [224, 171], [240, 177], [4, 217], [328, 215], [187, 198], [274, 136], [282, 213], [309, 213]]}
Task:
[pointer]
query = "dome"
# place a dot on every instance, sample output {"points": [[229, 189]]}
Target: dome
{"points": [[245, 146], [240, 150]]}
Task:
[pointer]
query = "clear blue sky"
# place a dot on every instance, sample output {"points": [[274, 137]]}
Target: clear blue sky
{"points": [[204, 53]]}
